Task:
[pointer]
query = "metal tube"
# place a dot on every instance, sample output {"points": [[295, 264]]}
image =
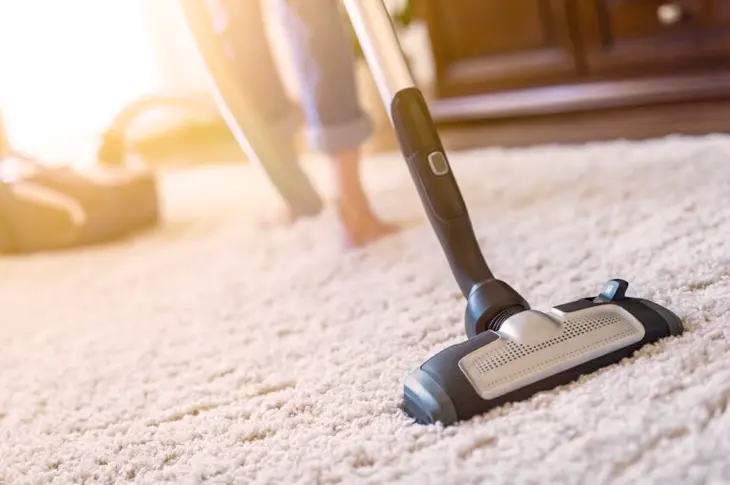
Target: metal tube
{"points": [[374, 30]]}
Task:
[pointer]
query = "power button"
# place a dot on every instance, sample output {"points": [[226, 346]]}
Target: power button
{"points": [[438, 163]]}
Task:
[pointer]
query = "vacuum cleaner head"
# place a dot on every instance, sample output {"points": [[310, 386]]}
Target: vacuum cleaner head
{"points": [[533, 351], [512, 351]]}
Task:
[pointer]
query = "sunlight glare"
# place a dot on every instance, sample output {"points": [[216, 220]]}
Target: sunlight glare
{"points": [[66, 67]]}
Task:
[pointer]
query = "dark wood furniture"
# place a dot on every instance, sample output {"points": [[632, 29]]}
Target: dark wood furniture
{"points": [[496, 59]]}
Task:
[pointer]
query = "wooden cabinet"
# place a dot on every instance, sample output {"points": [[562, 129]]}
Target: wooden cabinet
{"points": [[653, 36], [491, 45], [511, 57]]}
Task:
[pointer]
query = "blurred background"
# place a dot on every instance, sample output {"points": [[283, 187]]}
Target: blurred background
{"points": [[83, 61], [497, 73]]}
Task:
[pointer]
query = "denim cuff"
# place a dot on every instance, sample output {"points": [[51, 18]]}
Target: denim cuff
{"points": [[344, 136]]}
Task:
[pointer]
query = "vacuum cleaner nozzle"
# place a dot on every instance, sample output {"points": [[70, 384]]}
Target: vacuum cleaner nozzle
{"points": [[533, 351], [489, 303]]}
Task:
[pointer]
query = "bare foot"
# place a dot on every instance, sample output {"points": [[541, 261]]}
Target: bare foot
{"points": [[284, 217], [360, 225], [293, 211]]}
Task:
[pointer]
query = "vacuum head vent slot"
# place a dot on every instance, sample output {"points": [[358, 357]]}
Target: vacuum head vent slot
{"points": [[504, 366]]}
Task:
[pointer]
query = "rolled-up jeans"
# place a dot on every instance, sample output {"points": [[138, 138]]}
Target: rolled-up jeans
{"points": [[322, 60]]}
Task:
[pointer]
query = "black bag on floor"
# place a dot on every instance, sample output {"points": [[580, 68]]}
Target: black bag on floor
{"points": [[46, 208]]}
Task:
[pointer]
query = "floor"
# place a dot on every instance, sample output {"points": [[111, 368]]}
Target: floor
{"points": [[637, 123], [213, 351]]}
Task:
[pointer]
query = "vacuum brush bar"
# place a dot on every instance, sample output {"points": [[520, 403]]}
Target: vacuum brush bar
{"points": [[419, 142]]}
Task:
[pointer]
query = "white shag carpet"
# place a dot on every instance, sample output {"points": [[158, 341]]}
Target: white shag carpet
{"points": [[211, 351]]}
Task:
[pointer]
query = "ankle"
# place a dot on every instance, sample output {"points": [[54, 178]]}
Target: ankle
{"points": [[347, 180]]}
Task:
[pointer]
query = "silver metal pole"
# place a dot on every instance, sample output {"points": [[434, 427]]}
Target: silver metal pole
{"points": [[379, 42]]}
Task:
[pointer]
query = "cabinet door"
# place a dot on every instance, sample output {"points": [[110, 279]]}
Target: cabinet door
{"points": [[481, 46], [632, 37]]}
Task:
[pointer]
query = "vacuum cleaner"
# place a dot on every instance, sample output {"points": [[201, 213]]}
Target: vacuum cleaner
{"points": [[512, 351], [46, 208]]}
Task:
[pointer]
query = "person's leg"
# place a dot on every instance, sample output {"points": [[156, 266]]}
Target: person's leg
{"points": [[233, 40], [323, 58]]}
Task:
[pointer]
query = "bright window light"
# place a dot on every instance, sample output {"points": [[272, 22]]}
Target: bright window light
{"points": [[66, 67]]}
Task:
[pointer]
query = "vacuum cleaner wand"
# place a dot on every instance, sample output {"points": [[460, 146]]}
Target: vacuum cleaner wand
{"points": [[437, 188], [512, 351], [488, 300], [420, 144]]}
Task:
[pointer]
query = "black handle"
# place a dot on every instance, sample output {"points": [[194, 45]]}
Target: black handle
{"points": [[440, 195]]}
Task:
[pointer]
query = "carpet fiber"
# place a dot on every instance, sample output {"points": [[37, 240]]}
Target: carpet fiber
{"points": [[214, 351]]}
